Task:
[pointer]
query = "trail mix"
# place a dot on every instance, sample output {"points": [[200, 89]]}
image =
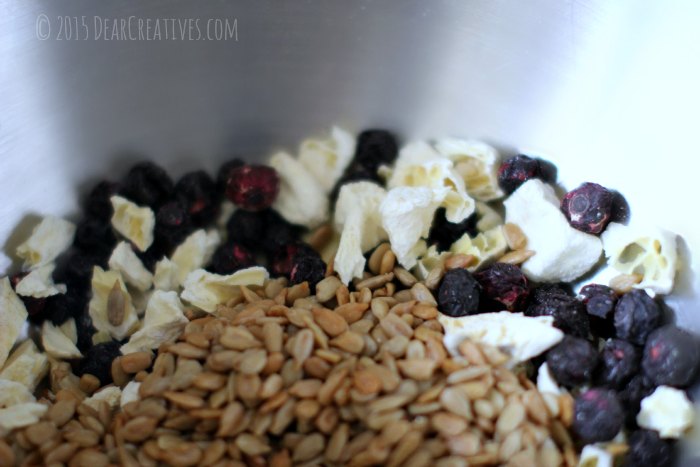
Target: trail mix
{"points": [[361, 303]]}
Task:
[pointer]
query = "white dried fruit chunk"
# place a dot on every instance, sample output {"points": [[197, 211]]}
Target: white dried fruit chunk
{"points": [[48, 240], [430, 259], [668, 411], [133, 222], [13, 393], [39, 283], [358, 218], [165, 276], [595, 456], [326, 159], [523, 337], [477, 163], [110, 394], [130, 393], [194, 253], [163, 322], [70, 330], [102, 285], [562, 253], [26, 365], [12, 317], [206, 290], [301, 200], [648, 251], [133, 271], [56, 343], [20, 415], [488, 217], [486, 246], [546, 382]]}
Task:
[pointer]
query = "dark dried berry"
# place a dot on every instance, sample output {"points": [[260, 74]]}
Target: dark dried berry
{"points": [[352, 175], [282, 260], [375, 148], [517, 170], [253, 187], [95, 236], [75, 269], [86, 330], [620, 210], [98, 361], [97, 203], [444, 233], [568, 313], [573, 361], [307, 266], [224, 174], [598, 415], [247, 227], [278, 232], [631, 397], [61, 307], [619, 362], [173, 225], [147, 184], [588, 208], [671, 357], [35, 306], [646, 448], [504, 285], [197, 192], [636, 315], [231, 257], [459, 293], [599, 301]]}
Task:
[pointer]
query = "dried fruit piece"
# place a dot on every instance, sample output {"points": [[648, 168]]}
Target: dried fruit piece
{"points": [[147, 184], [253, 187], [671, 357], [49, 239], [588, 208], [619, 362], [568, 313], [647, 448], [444, 233], [12, 318], [521, 168], [636, 315], [197, 191], [98, 361], [573, 361], [308, 266], [503, 285], [231, 257], [598, 415], [133, 222], [459, 293]]}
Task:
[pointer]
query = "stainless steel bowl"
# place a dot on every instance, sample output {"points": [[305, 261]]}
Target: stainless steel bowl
{"points": [[607, 90]]}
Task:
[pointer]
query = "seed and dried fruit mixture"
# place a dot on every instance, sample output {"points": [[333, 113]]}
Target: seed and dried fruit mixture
{"points": [[363, 302]]}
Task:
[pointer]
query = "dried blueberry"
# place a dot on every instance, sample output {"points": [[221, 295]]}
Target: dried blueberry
{"points": [[224, 174], [619, 362], [61, 307], [231, 257], [281, 261], [173, 225], [253, 187], [671, 357], [98, 361], [568, 313], [247, 227], [95, 236], [307, 266], [197, 192], [598, 415], [517, 170], [375, 148], [504, 285], [573, 361], [646, 448], [278, 232], [636, 315], [588, 208], [147, 184], [459, 293], [75, 267], [599, 301], [444, 233], [97, 203], [35, 306]]}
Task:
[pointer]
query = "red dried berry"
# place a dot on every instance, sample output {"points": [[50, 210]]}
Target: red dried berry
{"points": [[504, 284], [519, 169], [253, 187], [588, 208]]}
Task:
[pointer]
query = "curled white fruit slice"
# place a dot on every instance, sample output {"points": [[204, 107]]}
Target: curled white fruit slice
{"points": [[133, 222], [48, 240], [477, 163], [326, 159], [206, 290]]}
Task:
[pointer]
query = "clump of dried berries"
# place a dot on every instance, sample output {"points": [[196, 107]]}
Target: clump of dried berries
{"points": [[555, 301], [97, 203], [307, 266], [636, 315], [671, 357], [619, 362], [503, 286], [74, 268], [97, 361], [61, 307], [517, 170], [459, 293], [95, 236], [197, 192], [598, 415], [278, 232], [231, 257], [147, 184], [588, 208], [253, 187], [573, 361], [599, 301], [173, 225], [444, 233], [646, 448]]}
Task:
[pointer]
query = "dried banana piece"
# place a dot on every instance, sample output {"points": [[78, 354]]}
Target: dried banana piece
{"points": [[477, 163], [133, 222], [39, 283], [194, 253], [48, 240], [326, 159], [302, 199], [12, 317], [486, 246], [56, 343], [206, 290], [104, 285], [163, 322], [26, 365], [133, 271]]}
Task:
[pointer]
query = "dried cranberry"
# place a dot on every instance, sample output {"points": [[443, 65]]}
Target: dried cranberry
{"points": [[572, 361], [224, 174], [599, 301], [646, 448], [588, 208], [504, 284], [517, 170], [636, 315], [619, 363], [671, 357], [231, 257], [631, 397], [97, 203], [555, 301], [459, 293], [444, 233], [197, 192], [307, 266], [95, 236], [253, 187], [147, 184], [98, 361], [598, 415], [173, 224]]}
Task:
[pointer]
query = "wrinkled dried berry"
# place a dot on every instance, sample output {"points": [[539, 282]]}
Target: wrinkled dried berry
{"points": [[95, 236], [631, 397], [517, 170], [247, 227], [307, 266], [61, 307], [444, 233], [599, 301], [646, 448], [459, 293], [231, 257], [588, 208], [197, 192], [619, 362], [97, 361], [598, 415], [671, 357], [147, 184], [636, 315], [253, 187], [278, 232], [281, 261], [224, 174], [375, 148], [97, 203], [568, 313], [173, 225], [504, 286], [74, 268], [573, 361]]}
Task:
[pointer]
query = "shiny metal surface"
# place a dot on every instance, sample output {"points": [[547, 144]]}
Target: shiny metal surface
{"points": [[606, 89]]}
